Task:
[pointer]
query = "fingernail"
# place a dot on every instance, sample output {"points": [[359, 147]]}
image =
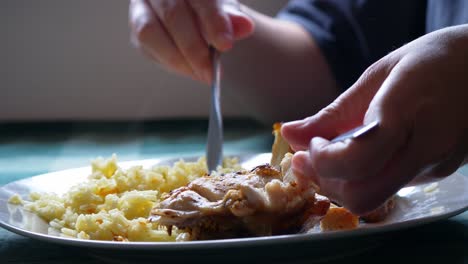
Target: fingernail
{"points": [[292, 124], [290, 128]]}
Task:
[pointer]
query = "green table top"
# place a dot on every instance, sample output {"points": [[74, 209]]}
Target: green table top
{"points": [[31, 149]]}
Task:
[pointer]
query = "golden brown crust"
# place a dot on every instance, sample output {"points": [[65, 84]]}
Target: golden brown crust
{"points": [[339, 218]]}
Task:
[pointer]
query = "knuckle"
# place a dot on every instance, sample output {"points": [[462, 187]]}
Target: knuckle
{"points": [[368, 75], [332, 111], [168, 11], [373, 69]]}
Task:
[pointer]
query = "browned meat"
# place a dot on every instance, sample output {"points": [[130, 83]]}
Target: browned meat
{"points": [[263, 201]]}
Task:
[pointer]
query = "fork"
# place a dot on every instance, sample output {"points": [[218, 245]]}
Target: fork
{"points": [[214, 146], [356, 132]]}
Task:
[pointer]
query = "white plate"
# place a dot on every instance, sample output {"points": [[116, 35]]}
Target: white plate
{"points": [[415, 206]]}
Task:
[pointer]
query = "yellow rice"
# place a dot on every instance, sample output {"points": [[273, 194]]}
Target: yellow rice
{"points": [[114, 203]]}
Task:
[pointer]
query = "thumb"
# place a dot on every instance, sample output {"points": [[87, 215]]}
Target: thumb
{"points": [[345, 113]]}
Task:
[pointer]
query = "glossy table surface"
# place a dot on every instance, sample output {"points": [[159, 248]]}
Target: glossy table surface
{"points": [[30, 149]]}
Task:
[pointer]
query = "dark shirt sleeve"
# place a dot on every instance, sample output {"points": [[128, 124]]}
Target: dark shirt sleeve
{"points": [[353, 34]]}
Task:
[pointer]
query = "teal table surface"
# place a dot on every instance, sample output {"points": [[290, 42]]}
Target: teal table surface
{"points": [[30, 149]]}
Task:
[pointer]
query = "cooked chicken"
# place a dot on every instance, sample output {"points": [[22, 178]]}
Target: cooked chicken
{"points": [[338, 218], [263, 201], [267, 200], [279, 148]]}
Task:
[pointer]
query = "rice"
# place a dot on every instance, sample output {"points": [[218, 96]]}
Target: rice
{"points": [[16, 200], [114, 203]]}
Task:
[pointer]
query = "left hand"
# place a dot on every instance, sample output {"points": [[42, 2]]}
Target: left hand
{"points": [[419, 94], [177, 33]]}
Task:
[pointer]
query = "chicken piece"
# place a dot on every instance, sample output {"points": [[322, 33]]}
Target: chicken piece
{"points": [[280, 147], [263, 201], [339, 218]]}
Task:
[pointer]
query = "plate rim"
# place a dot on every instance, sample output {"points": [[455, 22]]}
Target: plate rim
{"points": [[218, 243]]}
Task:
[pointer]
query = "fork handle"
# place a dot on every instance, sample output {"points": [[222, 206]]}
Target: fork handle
{"points": [[214, 152]]}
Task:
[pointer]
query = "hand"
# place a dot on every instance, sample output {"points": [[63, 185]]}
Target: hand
{"points": [[177, 33], [419, 94]]}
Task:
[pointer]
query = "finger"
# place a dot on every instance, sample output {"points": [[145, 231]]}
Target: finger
{"points": [[409, 164], [183, 70], [359, 196], [360, 163], [215, 23], [301, 165], [378, 165], [345, 113], [242, 25], [148, 34], [357, 158], [363, 196], [362, 157], [181, 24]]}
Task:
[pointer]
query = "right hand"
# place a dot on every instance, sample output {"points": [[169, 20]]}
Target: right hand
{"points": [[418, 94], [177, 33]]}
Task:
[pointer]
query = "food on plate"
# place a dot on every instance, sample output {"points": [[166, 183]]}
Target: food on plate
{"points": [[183, 202], [114, 203], [339, 218], [259, 202], [280, 146], [268, 200]]}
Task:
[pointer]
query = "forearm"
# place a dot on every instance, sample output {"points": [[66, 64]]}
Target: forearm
{"points": [[279, 73]]}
